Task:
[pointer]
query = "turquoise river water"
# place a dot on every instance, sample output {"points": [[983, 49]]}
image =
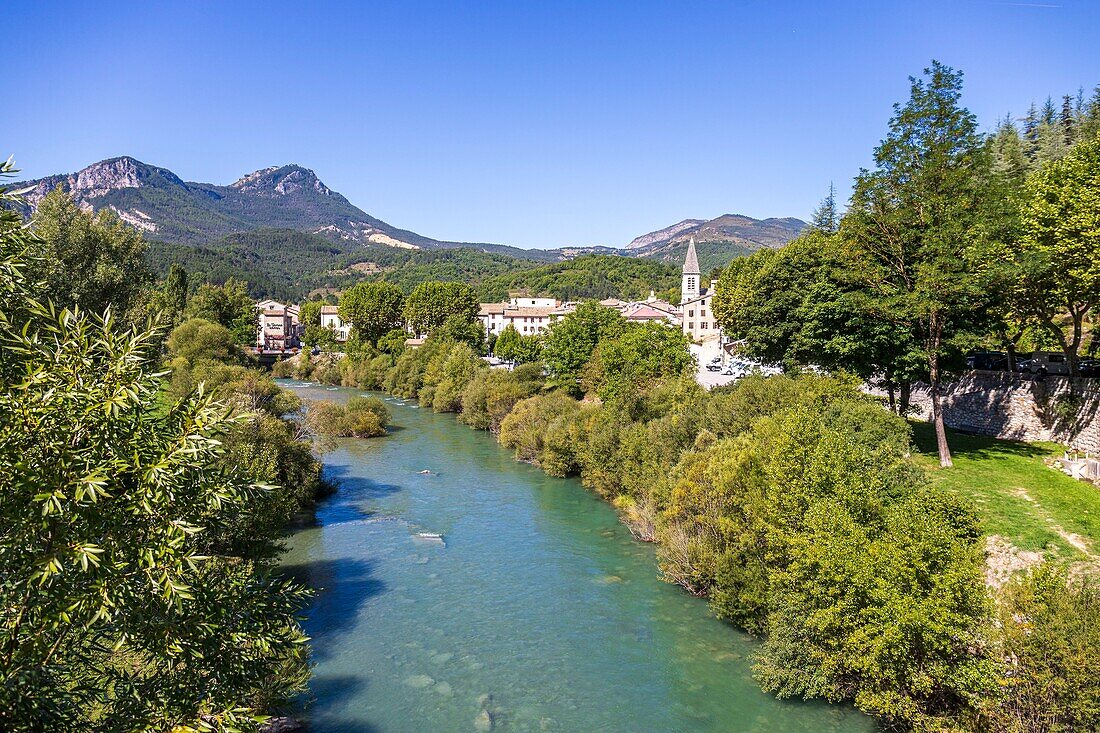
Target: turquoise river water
{"points": [[537, 611]]}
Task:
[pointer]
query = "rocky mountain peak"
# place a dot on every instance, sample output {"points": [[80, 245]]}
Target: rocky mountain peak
{"points": [[281, 181]]}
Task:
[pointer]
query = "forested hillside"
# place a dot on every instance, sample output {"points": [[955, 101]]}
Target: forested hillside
{"points": [[593, 276]]}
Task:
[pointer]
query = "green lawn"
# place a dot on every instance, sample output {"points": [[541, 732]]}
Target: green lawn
{"points": [[1018, 495]]}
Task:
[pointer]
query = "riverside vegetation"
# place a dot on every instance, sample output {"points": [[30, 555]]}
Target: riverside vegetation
{"points": [[142, 507]]}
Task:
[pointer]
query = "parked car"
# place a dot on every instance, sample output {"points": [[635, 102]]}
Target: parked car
{"points": [[991, 361], [714, 367], [1089, 367], [1042, 363]]}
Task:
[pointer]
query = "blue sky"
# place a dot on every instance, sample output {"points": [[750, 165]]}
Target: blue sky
{"points": [[536, 124]]}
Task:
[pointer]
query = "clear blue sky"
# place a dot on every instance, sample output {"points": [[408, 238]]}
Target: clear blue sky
{"points": [[535, 124]]}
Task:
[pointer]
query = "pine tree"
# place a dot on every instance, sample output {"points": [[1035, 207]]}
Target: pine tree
{"points": [[1069, 126], [1031, 132], [825, 218]]}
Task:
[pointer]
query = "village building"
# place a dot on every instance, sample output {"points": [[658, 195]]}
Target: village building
{"points": [[695, 301], [330, 318], [278, 327], [529, 315]]}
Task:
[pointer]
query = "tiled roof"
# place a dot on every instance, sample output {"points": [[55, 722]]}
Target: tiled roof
{"points": [[488, 309], [528, 311], [330, 309]]}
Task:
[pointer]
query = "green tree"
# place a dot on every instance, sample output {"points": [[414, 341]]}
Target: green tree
{"points": [[372, 309], [826, 218], [432, 303], [569, 342], [228, 304], [507, 343], [125, 605], [169, 298], [393, 342], [910, 225], [1056, 264], [642, 355], [91, 261]]}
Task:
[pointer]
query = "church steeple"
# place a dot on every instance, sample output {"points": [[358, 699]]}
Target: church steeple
{"points": [[689, 285]]}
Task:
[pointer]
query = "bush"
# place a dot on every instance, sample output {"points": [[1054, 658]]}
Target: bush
{"points": [[361, 417]]}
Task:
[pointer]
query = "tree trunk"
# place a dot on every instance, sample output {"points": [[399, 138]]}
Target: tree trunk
{"points": [[904, 400], [934, 393], [890, 394]]}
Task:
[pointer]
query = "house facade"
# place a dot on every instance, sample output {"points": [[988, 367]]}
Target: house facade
{"points": [[529, 315], [330, 318], [278, 327]]}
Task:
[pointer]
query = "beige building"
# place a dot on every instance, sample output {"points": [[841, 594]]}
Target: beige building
{"points": [[529, 315]]}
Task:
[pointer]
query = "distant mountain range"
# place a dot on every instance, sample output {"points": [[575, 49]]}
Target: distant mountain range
{"points": [[177, 212]]}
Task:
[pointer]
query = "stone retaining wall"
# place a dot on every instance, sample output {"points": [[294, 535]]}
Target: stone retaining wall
{"points": [[1018, 407]]}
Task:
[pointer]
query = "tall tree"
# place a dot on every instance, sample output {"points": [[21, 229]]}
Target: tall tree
{"points": [[91, 261], [1056, 261], [431, 303], [825, 218], [372, 308], [912, 219]]}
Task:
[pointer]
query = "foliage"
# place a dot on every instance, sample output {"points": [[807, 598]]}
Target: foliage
{"points": [[587, 277], [360, 417], [569, 342], [119, 553], [229, 305], [640, 356], [89, 261], [1055, 263], [514, 347], [431, 303], [393, 342], [372, 309], [1049, 637], [168, 299]]}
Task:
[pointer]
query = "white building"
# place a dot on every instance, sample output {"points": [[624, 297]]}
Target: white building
{"points": [[330, 318], [529, 315], [695, 301]]}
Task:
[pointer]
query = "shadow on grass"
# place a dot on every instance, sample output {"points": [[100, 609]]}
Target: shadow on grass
{"points": [[974, 447]]}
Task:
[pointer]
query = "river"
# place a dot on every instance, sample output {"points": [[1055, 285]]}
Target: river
{"points": [[537, 611]]}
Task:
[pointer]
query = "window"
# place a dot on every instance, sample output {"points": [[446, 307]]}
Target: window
{"points": [[703, 325], [691, 326], [691, 283], [691, 314], [702, 312]]}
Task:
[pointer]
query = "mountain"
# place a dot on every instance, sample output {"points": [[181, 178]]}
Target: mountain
{"points": [[201, 221], [168, 209], [718, 240]]}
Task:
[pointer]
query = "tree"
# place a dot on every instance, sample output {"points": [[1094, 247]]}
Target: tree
{"points": [[461, 330], [169, 299], [372, 309], [514, 347], [639, 357], [125, 606], [393, 343], [1056, 260], [228, 304], [910, 225], [568, 343], [826, 218], [431, 303], [91, 261]]}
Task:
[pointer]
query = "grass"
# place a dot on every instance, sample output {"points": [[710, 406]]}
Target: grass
{"points": [[1017, 494]]}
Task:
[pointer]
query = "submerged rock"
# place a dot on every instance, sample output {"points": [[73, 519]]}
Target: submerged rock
{"points": [[419, 681], [483, 722], [282, 725]]}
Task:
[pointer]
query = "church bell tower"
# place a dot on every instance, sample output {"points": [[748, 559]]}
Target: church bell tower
{"points": [[690, 285]]}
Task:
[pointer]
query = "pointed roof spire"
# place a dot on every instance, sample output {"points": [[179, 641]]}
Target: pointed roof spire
{"points": [[691, 262]]}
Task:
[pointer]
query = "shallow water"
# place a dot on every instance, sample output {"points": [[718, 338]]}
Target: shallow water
{"points": [[537, 612]]}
